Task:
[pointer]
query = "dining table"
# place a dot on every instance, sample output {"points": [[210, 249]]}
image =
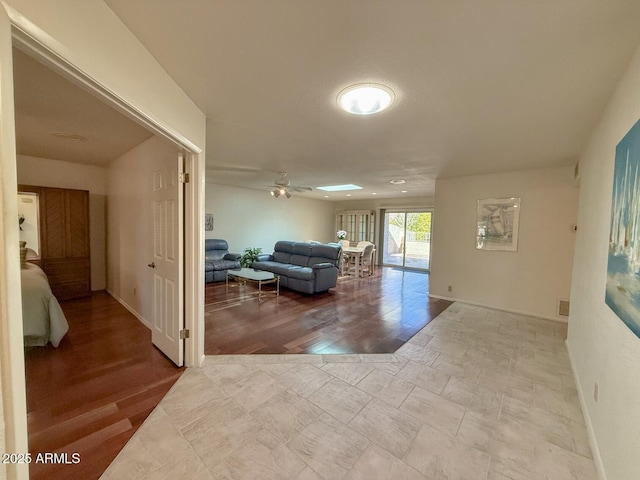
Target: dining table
{"points": [[356, 253]]}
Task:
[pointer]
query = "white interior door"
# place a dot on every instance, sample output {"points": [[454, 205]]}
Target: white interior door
{"points": [[167, 264]]}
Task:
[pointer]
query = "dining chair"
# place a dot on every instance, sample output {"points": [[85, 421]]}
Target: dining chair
{"points": [[366, 261]]}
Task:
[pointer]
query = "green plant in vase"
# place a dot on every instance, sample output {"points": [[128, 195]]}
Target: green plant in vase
{"points": [[250, 256]]}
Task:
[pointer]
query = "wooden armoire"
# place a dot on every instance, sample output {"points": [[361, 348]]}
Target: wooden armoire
{"points": [[64, 239]]}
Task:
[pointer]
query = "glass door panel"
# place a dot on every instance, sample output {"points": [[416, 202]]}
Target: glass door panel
{"points": [[393, 252], [417, 240], [407, 239]]}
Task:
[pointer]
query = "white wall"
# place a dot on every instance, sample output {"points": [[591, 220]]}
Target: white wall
{"points": [[46, 172], [130, 224], [248, 218], [378, 203], [601, 347], [529, 281]]}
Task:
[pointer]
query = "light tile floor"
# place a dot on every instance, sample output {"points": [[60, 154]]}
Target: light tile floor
{"points": [[477, 394]]}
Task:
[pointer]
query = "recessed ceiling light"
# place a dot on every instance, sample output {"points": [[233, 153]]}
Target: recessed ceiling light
{"points": [[365, 98], [348, 194], [339, 188], [374, 193], [69, 136], [403, 191], [397, 182], [326, 196]]}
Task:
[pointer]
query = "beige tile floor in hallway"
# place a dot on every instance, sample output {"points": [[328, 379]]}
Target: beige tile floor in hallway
{"points": [[477, 394]]}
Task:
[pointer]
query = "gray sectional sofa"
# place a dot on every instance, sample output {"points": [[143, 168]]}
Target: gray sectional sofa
{"points": [[304, 267], [217, 260]]}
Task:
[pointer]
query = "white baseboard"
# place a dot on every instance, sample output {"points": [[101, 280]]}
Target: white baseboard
{"points": [[595, 451], [502, 309], [130, 308]]}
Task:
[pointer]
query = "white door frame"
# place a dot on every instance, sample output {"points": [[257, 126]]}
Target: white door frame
{"points": [[33, 40], [13, 426]]}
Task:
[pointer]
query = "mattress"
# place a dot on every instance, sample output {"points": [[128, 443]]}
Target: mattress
{"points": [[42, 318]]}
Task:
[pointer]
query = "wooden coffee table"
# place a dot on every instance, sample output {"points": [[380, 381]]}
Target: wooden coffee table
{"points": [[259, 276]]}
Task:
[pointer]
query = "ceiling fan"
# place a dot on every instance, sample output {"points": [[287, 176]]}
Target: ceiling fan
{"points": [[283, 187]]}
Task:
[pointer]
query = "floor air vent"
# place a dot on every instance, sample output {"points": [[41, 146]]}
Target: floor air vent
{"points": [[563, 308]]}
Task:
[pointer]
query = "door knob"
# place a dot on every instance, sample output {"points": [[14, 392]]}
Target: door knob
{"points": [[152, 265]]}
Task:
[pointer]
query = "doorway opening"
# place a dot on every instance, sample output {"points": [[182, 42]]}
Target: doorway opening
{"points": [[406, 239]]}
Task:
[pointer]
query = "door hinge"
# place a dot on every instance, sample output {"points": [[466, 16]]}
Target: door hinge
{"points": [[184, 334], [184, 177]]}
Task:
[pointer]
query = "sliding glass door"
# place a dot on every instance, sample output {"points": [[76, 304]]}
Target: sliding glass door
{"points": [[407, 239]]}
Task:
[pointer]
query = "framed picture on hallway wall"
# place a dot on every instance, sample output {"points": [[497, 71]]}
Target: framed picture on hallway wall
{"points": [[208, 222], [497, 225], [622, 294]]}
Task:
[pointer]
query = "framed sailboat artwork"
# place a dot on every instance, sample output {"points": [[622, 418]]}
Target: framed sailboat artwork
{"points": [[498, 222], [623, 266]]}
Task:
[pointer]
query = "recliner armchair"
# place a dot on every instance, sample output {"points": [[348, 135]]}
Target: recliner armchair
{"points": [[217, 260]]}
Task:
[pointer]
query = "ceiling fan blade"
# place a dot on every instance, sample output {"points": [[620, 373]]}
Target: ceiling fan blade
{"points": [[297, 188]]}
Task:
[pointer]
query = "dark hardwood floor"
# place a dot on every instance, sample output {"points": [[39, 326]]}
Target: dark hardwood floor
{"points": [[374, 314], [89, 395]]}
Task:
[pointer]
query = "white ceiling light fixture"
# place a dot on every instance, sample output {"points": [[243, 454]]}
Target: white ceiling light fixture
{"points": [[365, 98]]}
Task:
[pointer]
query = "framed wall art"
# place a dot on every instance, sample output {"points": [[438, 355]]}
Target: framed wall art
{"points": [[623, 265], [208, 222], [497, 224]]}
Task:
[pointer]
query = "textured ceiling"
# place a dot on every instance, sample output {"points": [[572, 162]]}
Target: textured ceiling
{"points": [[46, 103], [481, 87]]}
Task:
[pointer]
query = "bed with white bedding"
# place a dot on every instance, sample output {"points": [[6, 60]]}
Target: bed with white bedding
{"points": [[42, 318]]}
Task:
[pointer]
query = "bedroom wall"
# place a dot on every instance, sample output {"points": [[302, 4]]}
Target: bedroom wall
{"points": [[45, 172], [529, 281], [602, 349], [252, 218], [130, 225]]}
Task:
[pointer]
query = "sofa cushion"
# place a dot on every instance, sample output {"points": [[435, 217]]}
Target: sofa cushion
{"points": [[303, 249], [284, 246], [215, 249], [282, 257], [299, 260], [273, 267], [329, 251], [301, 273], [220, 265]]}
